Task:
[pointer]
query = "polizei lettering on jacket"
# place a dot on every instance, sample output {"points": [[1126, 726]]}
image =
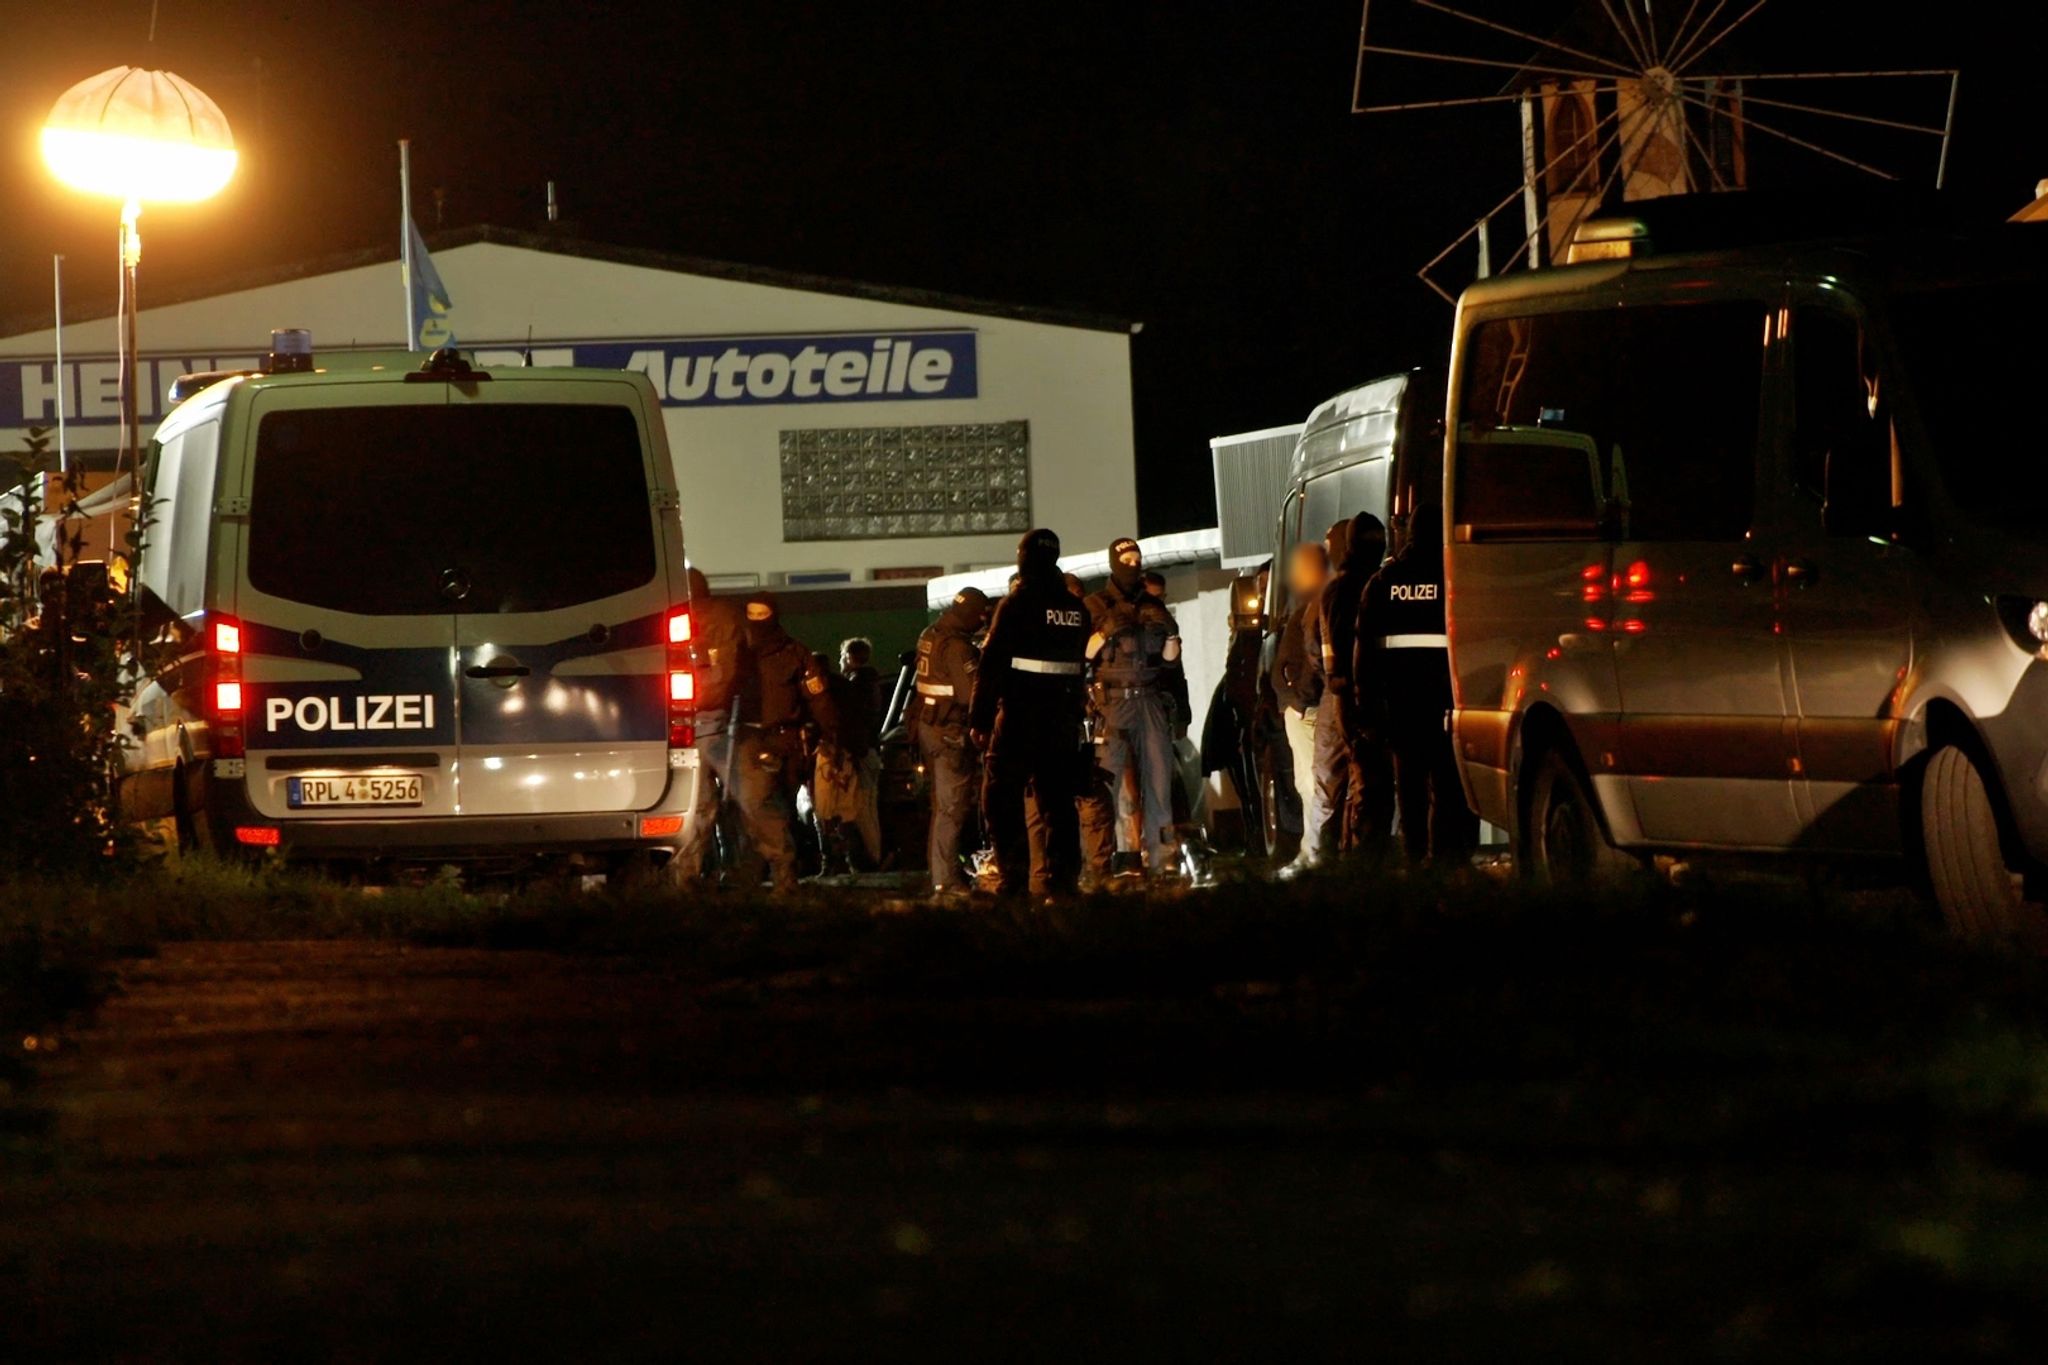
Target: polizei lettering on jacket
{"points": [[386, 711], [1056, 617], [1412, 592]]}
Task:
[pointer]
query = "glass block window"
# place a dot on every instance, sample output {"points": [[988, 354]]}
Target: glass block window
{"points": [[880, 483]]}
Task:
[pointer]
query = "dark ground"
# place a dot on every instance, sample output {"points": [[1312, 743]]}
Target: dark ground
{"points": [[1352, 1121]]}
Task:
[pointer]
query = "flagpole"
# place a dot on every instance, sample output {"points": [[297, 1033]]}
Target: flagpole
{"points": [[63, 449], [412, 326]]}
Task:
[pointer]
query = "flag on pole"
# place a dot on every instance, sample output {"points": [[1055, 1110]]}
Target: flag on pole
{"points": [[431, 306]]}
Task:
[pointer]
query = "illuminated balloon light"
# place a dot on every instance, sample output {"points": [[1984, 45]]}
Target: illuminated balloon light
{"points": [[139, 136], [137, 168]]}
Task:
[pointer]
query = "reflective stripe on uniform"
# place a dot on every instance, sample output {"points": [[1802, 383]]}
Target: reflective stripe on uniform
{"points": [[1046, 666], [1418, 642], [931, 689]]}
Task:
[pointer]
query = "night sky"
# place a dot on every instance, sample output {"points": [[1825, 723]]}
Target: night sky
{"points": [[1191, 166]]}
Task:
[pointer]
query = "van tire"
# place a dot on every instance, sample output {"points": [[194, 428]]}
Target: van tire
{"points": [[1978, 892], [1562, 840]]}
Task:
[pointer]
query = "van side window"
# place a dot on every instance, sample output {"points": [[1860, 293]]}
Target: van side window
{"points": [[1842, 452], [1667, 399], [1322, 504]]}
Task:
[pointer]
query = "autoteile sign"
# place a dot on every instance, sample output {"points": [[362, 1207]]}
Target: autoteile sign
{"points": [[687, 372], [694, 372]]}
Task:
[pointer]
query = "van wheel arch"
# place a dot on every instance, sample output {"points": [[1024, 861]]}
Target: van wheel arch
{"points": [[1545, 752], [1959, 833]]}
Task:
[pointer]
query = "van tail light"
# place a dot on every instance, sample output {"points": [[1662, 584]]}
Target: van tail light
{"points": [[224, 684], [682, 682], [259, 836]]}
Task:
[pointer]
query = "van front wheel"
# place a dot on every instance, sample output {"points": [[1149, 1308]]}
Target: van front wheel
{"points": [[1563, 843], [1979, 894]]}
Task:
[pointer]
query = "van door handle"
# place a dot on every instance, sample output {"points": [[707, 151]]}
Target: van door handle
{"points": [[498, 668], [1801, 573], [1748, 568]]}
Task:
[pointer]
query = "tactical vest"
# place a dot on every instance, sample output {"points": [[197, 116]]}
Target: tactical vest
{"points": [[1137, 642], [945, 677]]}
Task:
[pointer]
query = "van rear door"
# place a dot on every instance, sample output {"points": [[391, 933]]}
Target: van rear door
{"points": [[562, 614], [346, 627]]}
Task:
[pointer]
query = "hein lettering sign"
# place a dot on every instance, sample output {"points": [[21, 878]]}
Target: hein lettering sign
{"points": [[688, 372]]}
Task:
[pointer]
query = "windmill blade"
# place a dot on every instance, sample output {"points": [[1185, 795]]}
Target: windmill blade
{"points": [[1678, 34], [1551, 43], [1419, 55], [1795, 140], [1601, 146], [1831, 75], [1459, 102], [1621, 31], [1825, 112], [1700, 51], [1646, 43]]}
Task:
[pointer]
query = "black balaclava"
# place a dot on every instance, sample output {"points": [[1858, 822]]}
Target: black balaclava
{"points": [[764, 620], [1367, 545], [1127, 567], [1038, 554]]}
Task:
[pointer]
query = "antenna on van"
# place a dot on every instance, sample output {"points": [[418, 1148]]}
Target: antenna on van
{"points": [[526, 358]]}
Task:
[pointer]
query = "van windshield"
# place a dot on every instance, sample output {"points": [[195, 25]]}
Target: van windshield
{"points": [[1976, 374], [368, 509]]}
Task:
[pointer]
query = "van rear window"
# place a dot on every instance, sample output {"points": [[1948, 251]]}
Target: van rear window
{"points": [[373, 509]]}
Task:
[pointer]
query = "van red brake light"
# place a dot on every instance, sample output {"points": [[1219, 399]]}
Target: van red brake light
{"points": [[679, 630], [224, 687]]}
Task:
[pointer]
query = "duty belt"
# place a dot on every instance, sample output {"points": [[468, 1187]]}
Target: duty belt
{"points": [[1047, 666], [1125, 693], [1417, 642]]}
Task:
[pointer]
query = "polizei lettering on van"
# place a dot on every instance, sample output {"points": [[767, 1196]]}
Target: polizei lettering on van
{"points": [[400, 707], [386, 711]]}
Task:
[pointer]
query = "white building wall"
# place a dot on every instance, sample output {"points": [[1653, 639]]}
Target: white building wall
{"points": [[1071, 384]]}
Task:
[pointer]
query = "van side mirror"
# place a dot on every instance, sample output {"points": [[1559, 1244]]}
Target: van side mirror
{"points": [[1248, 605]]}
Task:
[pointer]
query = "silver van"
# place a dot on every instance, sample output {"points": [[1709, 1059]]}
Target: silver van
{"points": [[431, 614], [1746, 555], [1372, 448]]}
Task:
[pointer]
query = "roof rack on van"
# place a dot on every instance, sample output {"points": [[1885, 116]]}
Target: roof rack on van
{"points": [[447, 366], [291, 352], [1727, 220]]}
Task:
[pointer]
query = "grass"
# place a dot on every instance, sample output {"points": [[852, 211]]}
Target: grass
{"points": [[1829, 1119]]}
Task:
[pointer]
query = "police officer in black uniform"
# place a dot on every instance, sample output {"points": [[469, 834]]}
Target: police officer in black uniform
{"points": [[947, 661], [1140, 691], [717, 653], [784, 687], [1367, 772], [1404, 674], [1027, 704]]}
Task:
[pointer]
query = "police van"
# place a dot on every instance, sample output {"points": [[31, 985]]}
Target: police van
{"points": [[425, 613], [1748, 553]]}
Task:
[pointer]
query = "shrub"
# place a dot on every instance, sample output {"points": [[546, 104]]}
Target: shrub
{"points": [[68, 650]]}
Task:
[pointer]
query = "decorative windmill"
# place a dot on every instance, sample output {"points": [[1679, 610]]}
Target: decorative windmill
{"points": [[1623, 100]]}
